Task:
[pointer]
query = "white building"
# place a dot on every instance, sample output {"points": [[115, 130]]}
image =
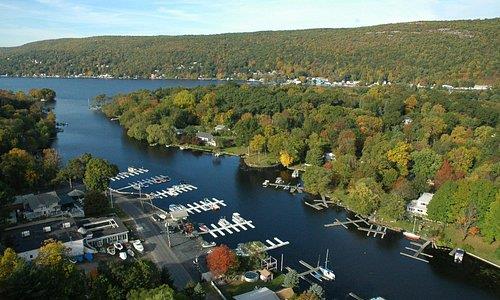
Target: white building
{"points": [[26, 239], [207, 138], [40, 205], [100, 232], [419, 206], [258, 294]]}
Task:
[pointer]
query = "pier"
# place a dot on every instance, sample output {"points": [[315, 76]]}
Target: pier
{"points": [[129, 173], [373, 229], [271, 244], [320, 204], [144, 183], [228, 227], [173, 191], [292, 188], [417, 251], [310, 270], [204, 205]]}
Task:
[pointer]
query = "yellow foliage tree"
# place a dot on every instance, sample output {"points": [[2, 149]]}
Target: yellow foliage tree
{"points": [[9, 262], [401, 156], [286, 159], [51, 253]]}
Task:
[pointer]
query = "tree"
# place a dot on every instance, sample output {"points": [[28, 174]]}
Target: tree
{"points": [[316, 180], [199, 291], [95, 204], [491, 224], [444, 174], [317, 290], [364, 196], [50, 162], [18, 168], [75, 168], [43, 94], [98, 173], [400, 155], [315, 156], [286, 159], [426, 163], [258, 143], [392, 207], [162, 292], [51, 253], [221, 260], [440, 207], [291, 279], [184, 99], [9, 264], [462, 158]]}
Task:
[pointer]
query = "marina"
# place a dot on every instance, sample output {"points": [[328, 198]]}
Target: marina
{"points": [[204, 205], [129, 173], [224, 226]]}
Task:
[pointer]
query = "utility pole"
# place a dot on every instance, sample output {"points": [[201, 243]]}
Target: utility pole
{"points": [[168, 234], [281, 268], [110, 197]]}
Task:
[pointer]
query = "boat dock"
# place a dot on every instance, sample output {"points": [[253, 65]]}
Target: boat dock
{"points": [[292, 188], [204, 205], [172, 191], [373, 229], [271, 244], [144, 183], [130, 173], [417, 251], [320, 204], [313, 271], [221, 230]]}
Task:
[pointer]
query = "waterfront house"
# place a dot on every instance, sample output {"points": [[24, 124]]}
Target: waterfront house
{"points": [[419, 206], [40, 205], [206, 138], [99, 232], [26, 239], [220, 128]]}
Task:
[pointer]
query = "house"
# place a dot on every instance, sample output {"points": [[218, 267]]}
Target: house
{"points": [[407, 120], [329, 156], [220, 128], [26, 239], [40, 205], [206, 138], [419, 206], [258, 294], [99, 232]]}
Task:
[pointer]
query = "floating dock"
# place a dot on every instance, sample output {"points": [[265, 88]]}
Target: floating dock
{"points": [[320, 204], [221, 230], [292, 188], [127, 174], [204, 205], [417, 251], [313, 271], [271, 244], [144, 183], [173, 191]]}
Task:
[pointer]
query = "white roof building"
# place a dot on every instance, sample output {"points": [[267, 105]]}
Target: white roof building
{"points": [[258, 294], [419, 206]]}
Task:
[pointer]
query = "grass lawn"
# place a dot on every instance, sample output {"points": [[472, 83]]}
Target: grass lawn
{"points": [[236, 150], [473, 244], [261, 160], [240, 287]]}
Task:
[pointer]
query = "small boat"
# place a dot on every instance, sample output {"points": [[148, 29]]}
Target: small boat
{"points": [[130, 252], [118, 246], [317, 275], [279, 180], [204, 228], [215, 206], [137, 244], [295, 173], [114, 119], [72, 260], [237, 218], [265, 183], [459, 256], [411, 235], [208, 245], [223, 222], [153, 144], [131, 169], [123, 255], [111, 250], [217, 154], [158, 180], [182, 147]]}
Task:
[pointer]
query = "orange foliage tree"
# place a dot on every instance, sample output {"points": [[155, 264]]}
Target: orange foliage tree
{"points": [[221, 259]]}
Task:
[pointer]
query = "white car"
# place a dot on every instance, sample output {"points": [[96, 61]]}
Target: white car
{"points": [[123, 255], [138, 246], [118, 246]]}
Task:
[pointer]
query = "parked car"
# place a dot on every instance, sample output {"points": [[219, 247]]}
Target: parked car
{"points": [[156, 218]]}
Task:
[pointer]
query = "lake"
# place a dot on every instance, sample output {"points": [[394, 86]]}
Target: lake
{"points": [[364, 265]]}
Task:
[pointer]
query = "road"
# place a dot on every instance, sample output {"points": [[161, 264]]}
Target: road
{"points": [[156, 245]]}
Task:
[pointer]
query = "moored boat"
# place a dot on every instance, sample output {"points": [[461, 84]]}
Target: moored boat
{"points": [[411, 236], [223, 222], [118, 246], [123, 255], [111, 250], [130, 252], [237, 218], [295, 173], [204, 228], [208, 245], [265, 183]]}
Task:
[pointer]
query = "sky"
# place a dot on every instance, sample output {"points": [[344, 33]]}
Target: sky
{"points": [[23, 21]]}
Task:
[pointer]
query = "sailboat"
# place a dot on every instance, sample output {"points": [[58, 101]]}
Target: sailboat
{"points": [[411, 235], [327, 273]]}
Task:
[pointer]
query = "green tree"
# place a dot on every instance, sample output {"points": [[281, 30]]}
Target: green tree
{"points": [[314, 156], [95, 204], [291, 279], [317, 180], [392, 207], [163, 292], [491, 223], [426, 163], [364, 196], [98, 173], [440, 208]]}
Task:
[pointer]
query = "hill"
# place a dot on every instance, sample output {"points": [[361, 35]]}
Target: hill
{"points": [[443, 52]]}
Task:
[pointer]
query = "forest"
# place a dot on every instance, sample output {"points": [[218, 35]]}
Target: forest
{"points": [[460, 53], [388, 144]]}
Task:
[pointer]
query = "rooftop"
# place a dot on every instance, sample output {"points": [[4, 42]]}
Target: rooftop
{"points": [[40, 200], [101, 227], [259, 294], [30, 236], [205, 135]]}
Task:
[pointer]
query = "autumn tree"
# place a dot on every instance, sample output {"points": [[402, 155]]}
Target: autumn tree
{"points": [[317, 180], [98, 173], [221, 260], [286, 159], [364, 196], [400, 155], [444, 174], [258, 143], [426, 163]]}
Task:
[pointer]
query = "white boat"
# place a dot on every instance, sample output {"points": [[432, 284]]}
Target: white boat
{"points": [[162, 216], [223, 222], [325, 272], [182, 147], [215, 206], [237, 218], [204, 228], [295, 173], [118, 246], [130, 252], [131, 169], [138, 246], [123, 255], [265, 183], [111, 250], [208, 245], [412, 236], [279, 180]]}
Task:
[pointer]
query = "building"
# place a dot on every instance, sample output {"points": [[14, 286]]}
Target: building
{"points": [[258, 294], [26, 239], [419, 206], [40, 205], [206, 138], [99, 232], [220, 128]]}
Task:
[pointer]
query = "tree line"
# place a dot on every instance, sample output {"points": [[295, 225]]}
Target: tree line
{"points": [[460, 53], [388, 144]]}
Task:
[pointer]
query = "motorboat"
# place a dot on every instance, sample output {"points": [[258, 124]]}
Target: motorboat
{"points": [[411, 236], [208, 245], [237, 218], [131, 169], [204, 228], [137, 244], [459, 256], [317, 275], [265, 183], [295, 173], [118, 246], [215, 206], [111, 250], [223, 222], [279, 180], [130, 252], [123, 255]]}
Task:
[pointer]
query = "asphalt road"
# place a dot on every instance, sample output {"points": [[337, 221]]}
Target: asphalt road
{"points": [[156, 245]]}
